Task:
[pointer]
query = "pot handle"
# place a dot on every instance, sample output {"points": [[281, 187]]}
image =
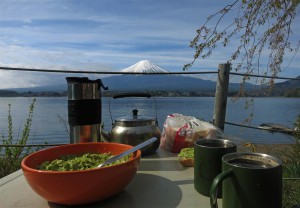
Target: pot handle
{"points": [[135, 94]]}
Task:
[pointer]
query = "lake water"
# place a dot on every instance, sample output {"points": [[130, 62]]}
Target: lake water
{"points": [[50, 122]]}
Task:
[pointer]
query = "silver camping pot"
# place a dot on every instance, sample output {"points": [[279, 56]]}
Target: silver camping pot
{"points": [[134, 129]]}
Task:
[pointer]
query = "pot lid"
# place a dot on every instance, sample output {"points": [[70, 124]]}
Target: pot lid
{"points": [[135, 118]]}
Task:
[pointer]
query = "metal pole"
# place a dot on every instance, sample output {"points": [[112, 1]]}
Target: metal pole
{"points": [[221, 95]]}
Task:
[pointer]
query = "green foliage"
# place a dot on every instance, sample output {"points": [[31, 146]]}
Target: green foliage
{"points": [[292, 93], [291, 171], [11, 155]]}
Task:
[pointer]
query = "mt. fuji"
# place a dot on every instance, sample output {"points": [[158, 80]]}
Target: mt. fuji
{"points": [[144, 66], [158, 82]]}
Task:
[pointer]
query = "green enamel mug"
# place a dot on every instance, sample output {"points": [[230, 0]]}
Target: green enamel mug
{"points": [[249, 180], [208, 162]]}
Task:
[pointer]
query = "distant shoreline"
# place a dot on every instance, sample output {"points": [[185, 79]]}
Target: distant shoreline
{"points": [[9, 93]]}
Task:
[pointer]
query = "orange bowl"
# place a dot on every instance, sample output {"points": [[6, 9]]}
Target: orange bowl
{"points": [[83, 186]]}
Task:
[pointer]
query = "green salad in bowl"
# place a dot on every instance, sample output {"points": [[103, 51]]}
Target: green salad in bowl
{"points": [[79, 162]]}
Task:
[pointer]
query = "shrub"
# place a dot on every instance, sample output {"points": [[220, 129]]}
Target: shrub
{"points": [[13, 151]]}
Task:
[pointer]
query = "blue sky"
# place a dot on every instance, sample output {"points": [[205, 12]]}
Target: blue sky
{"points": [[104, 35]]}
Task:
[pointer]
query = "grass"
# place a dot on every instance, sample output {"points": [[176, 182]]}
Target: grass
{"points": [[291, 174], [291, 177], [11, 156]]}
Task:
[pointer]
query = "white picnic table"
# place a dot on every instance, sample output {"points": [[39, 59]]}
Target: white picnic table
{"points": [[161, 181]]}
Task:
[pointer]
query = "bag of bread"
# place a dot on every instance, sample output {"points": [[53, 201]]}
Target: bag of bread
{"points": [[180, 131]]}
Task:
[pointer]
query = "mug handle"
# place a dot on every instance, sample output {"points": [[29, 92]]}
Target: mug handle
{"points": [[215, 187]]}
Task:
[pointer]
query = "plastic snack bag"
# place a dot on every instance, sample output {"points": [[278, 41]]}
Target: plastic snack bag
{"points": [[181, 131]]}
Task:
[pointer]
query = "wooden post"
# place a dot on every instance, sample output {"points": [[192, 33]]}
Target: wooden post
{"points": [[221, 95]]}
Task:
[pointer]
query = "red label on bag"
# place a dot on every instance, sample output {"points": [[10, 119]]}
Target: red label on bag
{"points": [[179, 140]]}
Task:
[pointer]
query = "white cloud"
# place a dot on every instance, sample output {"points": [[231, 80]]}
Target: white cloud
{"points": [[103, 35]]}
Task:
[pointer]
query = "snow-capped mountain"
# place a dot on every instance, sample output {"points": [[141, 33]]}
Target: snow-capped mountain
{"points": [[144, 66], [153, 82]]}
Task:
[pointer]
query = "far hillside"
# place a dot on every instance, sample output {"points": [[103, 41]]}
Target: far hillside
{"points": [[160, 84]]}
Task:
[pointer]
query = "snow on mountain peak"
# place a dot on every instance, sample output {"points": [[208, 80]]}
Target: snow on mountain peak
{"points": [[144, 66]]}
